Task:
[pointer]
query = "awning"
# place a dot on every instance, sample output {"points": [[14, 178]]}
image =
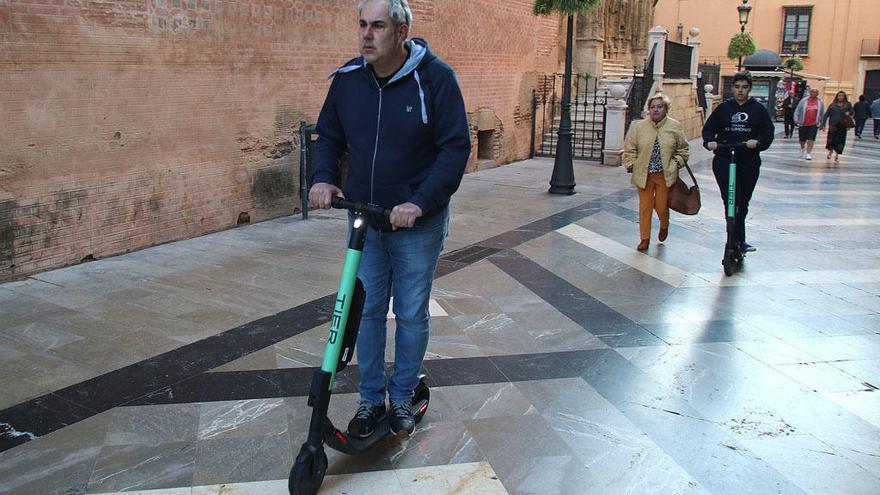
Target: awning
{"points": [[779, 73]]}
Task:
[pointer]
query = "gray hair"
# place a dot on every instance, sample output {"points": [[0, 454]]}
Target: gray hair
{"points": [[398, 11]]}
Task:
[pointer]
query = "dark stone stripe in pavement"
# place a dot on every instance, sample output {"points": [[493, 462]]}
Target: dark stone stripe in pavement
{"points": [[295, 382], [594, 316]]}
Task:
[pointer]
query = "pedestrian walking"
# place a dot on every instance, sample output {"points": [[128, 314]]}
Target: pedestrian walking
{"points": [[809, 113]]}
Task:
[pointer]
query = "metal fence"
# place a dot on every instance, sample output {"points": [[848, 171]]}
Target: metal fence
{"points": [[588, 102], [711, 74], [677, 63], [639, 89], [307, 136]]}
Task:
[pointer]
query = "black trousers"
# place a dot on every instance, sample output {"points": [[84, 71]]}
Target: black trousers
{"points": [[789, 124], [746, 178]]}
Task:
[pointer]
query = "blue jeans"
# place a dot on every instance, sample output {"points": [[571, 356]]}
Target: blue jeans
{"points": [[401, 263], [860, 126]]}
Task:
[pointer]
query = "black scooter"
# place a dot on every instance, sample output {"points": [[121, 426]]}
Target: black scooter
{"points": [[308, 470], [733, 252]]}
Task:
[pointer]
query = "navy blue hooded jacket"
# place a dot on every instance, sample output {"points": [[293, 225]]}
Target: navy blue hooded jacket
{"points": [[732, 123], [407, 142]]}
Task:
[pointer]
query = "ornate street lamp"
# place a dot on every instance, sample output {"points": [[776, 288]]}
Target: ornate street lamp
{"points": [[744, 10]]}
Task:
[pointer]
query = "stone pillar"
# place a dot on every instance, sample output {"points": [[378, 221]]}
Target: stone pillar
{"points": [[711, 102], [615, 122], [588, 53], [657, 36], [694, 43]]}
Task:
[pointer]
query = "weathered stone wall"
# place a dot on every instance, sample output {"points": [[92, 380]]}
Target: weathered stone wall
{"points": [[684, 106], [134, 123]]}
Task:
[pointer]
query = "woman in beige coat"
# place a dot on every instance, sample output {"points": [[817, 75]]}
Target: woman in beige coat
{"points": [[655, 149]]}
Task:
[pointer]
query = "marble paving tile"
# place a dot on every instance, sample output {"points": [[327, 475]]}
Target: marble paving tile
{"points": [[863, 403], [143, 467], [436, 443], [467, 402], [866, 370], [620, 458], [46, 471], [821, 377], [90, 432], [813, 465], [234, 419], [240, 459], [509, 443], [152, 425]]}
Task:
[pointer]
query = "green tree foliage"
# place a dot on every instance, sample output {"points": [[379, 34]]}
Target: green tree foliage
{"points": [[546, 7], [741, 45], [794, 64]]}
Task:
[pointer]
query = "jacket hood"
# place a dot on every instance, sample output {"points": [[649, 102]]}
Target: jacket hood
{"points": [[420, 54]]}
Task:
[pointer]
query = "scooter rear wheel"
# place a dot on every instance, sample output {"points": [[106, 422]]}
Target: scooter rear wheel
{"points": [[307, 473], [421, 399]]}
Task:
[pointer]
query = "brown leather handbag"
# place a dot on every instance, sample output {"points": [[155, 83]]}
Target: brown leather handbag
{"points": [[684, 199]]}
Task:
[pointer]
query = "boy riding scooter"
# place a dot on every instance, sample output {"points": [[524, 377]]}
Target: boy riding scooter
{"points": [[741, 119]]}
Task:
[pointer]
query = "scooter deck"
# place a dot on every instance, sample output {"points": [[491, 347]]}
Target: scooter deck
{"points": [[342, 442]]}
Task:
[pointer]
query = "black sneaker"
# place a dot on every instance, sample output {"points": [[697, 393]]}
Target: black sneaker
{"points": [[365, 419], [402, 421]]}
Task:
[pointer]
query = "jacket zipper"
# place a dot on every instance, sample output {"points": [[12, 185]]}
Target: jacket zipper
{"points": [[376, 144]]}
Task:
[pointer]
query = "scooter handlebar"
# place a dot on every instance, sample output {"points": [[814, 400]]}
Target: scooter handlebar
{"points": [[731, 146], [358, 207]]}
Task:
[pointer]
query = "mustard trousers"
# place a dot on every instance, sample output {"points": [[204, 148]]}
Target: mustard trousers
{"points": [[654, 196]]}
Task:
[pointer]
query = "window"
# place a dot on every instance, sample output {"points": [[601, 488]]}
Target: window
{"points": [[796, 30]]}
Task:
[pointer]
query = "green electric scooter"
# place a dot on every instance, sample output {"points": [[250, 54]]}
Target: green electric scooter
{"points": [[733, 253], [308, 470]]}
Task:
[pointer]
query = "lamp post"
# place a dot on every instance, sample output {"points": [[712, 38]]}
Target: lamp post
{"points": [[562, 179], [744, 10]]}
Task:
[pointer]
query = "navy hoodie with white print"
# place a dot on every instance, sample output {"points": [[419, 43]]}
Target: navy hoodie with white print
{"points": [[408, 141], [732, 123]]}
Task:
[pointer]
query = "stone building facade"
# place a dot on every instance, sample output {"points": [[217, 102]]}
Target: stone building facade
{"points": [[137, 122], [616, 31], [838, 40]]}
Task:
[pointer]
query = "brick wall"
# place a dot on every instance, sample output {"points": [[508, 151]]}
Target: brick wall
{"points": [[133, 123]]}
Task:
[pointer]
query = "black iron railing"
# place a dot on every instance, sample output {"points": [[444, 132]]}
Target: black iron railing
{"points": [[587, 116]]}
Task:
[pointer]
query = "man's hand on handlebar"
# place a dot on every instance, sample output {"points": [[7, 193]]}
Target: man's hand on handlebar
{"points": [[404, 215], [711, 145], [752, 144], [322, 193]]}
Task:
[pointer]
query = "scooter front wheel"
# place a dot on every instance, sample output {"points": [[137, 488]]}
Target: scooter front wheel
{"points": [[307, 472], [728, 262]]}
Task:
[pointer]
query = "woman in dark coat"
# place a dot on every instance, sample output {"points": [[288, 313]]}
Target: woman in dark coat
{"points": [[836, 128]]}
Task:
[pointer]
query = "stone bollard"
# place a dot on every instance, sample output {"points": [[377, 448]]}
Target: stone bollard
{"points": [[615, 123]]}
